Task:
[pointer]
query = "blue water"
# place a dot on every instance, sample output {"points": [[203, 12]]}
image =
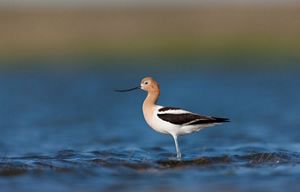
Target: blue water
{"points": [[69, 131]]}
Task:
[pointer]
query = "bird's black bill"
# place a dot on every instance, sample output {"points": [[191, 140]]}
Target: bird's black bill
{"points": [[126, 90]]}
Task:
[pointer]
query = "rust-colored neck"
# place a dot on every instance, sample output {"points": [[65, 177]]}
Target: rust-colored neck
{"points": [[149, 103], [151, 98]]}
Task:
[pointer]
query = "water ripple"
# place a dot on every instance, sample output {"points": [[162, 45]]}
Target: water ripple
{"points": [[140, 160]]}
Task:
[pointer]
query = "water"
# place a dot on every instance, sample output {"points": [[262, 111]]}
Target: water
{"points": [[71, 132]]}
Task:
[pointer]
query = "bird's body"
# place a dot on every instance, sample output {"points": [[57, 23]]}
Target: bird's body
{"points": [[171, 120], [176, 121]]}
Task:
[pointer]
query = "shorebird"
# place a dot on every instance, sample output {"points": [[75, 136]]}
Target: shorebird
{"points": [[171, 120]]}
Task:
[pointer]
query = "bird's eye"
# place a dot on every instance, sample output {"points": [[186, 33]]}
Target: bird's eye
{"points": [[146, 83]]}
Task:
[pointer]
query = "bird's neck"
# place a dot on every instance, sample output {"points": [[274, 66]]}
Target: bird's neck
{"points": [[151, 100]]}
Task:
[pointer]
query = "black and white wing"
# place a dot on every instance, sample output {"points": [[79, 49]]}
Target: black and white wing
{"points": [[179, 116]]}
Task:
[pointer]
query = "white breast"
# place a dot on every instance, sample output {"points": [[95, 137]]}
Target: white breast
{"points": [[159, 125]]}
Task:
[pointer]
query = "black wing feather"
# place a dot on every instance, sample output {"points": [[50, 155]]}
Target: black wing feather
{"points": [[190, 119], [168, 108], [209, 121]]}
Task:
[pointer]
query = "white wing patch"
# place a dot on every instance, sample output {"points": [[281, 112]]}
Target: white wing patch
{"points": [[171, 110]]}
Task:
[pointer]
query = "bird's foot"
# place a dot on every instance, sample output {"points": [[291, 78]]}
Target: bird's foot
{"points": [[179, 156]]}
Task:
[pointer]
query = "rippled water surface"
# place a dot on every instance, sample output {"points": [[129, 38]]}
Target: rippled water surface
{"points": [[71, 132]]}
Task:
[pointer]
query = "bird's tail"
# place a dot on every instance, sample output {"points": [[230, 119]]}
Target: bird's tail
{"points": [[221, 120]]}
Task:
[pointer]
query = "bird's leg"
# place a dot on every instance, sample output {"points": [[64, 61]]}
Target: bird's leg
{"points": [[177, 147]]}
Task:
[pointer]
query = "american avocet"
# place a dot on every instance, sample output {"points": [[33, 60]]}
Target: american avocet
{"points": [[171, 120]]}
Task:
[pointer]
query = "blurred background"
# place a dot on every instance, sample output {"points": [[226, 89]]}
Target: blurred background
{"points": [[236, 33], [63, 128]]}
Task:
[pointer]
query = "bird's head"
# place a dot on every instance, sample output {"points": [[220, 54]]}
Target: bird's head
{"points": [[149, 84]]}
